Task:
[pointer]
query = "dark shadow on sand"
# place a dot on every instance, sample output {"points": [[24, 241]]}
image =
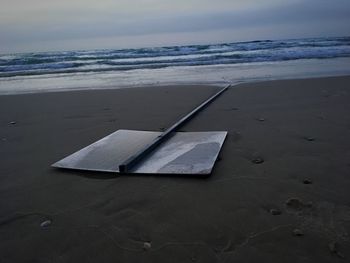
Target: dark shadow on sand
{"points": [[110, 175]]}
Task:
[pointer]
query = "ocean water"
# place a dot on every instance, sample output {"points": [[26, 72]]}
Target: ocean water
{"points": [[204, 64]]}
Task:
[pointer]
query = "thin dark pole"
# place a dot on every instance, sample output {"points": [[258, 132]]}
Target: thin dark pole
{"points": [[134, 159]]}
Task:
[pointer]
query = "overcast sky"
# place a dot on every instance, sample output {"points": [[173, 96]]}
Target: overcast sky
{"points": [[43, 25]]}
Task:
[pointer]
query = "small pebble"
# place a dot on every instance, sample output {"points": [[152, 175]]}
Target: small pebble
{"points": [[297, 204], [45, 223], [334, 249], [258, 160], [294, 203], [309, 204], [307, 181], [298, 232], [147, 246], [310, 139], [13, 122], [261, 119], [275, 212]]}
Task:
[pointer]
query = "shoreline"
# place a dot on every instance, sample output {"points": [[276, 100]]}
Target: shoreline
{"points": [[291, 206], [192, 75], [237, 84], [176, 85]]}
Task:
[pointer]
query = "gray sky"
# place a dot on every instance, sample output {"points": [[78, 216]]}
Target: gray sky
{"points": [[43, 25]]}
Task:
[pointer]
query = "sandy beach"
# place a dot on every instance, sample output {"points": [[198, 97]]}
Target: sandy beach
{"points": [[279, 192]]}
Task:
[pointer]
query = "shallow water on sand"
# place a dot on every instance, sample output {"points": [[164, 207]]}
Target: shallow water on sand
{"points": [[210, 74]]}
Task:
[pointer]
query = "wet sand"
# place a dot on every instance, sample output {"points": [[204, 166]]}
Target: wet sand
{"points": [[279, 192]]}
